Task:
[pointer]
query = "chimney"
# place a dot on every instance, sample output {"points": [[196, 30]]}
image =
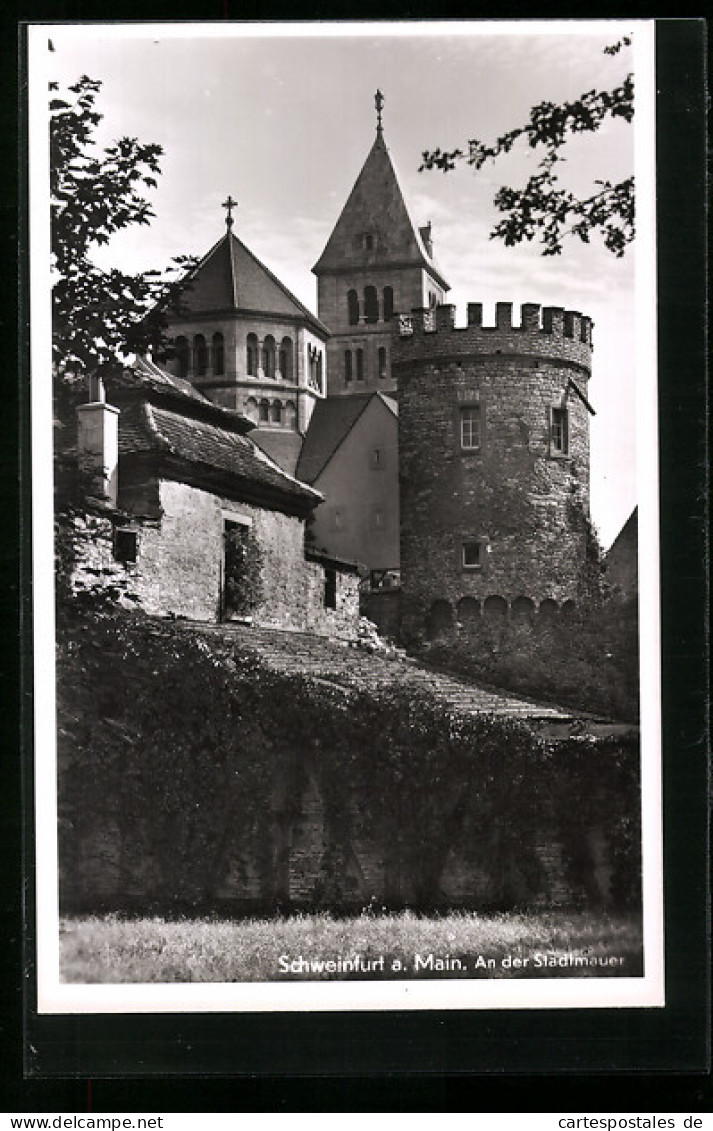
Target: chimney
{"points": [[425, 234], [98, 437]]}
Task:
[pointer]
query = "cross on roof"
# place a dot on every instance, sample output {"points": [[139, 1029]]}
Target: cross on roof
{"points": [[229, 204], [378, 102]]}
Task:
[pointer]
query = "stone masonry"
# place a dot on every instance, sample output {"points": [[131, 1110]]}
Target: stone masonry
{"points": [[497, 524]]}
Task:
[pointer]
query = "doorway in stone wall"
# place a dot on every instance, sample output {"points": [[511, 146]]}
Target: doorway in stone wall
{"points": [[241, 570]]}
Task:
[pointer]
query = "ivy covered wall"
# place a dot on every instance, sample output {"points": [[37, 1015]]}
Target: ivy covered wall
{"points": [[192, 778]]}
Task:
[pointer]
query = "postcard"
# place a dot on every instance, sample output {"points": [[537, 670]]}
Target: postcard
{"points": [[345, 527]]}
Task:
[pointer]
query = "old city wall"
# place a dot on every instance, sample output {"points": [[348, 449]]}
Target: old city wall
{"points": [[522, 502]]}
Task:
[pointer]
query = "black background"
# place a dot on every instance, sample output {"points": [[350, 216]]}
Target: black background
{"points": [[481, 1061]]}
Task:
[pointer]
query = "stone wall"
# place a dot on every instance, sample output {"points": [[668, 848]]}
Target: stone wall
{"points": [[519, 504], [291, 865]]}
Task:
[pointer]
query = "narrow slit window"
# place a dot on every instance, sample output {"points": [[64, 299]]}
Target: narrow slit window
{"points": [[560, 431]]}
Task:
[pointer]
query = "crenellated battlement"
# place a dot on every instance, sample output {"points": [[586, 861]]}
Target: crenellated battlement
{"points": [[550, 331]]}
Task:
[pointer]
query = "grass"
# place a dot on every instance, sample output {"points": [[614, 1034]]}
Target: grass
{"points": [[462, 944]]}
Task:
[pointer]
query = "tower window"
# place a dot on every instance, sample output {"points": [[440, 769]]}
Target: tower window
{"points": [[382, 362], [376, 461], [360, 365], [268, 357], [388, 303], [470, 427], [348, 365], [353, 308], [182, 357], [559, 431], [200, 355], [471, 555], [251, 359], [371, 305], [218, 355], [286, 359]]}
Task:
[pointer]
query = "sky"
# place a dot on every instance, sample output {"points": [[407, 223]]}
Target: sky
{"points": [[282, 117]]}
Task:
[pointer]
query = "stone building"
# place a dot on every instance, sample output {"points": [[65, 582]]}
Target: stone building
{"points": [[350, 454], [621, 562], [247, 343], [197, 521], [485, 427], [494, 461]]}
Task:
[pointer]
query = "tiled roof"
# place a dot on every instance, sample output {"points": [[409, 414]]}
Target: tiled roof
{"points": [[376, 205], [230, 277], [331, 420], [159, 416]]}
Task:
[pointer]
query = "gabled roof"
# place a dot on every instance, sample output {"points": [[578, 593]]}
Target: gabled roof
{"points": [[376, 205], [231, 278], [201, 442], [331, 422]]}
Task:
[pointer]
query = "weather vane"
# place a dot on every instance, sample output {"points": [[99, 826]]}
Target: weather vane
{"points": [[229, 204], [378, 102]]}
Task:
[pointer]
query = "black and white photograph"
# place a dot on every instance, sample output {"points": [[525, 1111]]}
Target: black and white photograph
{"points": [[345, 525]]}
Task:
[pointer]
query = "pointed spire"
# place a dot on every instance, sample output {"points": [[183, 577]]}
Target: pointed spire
{"points": [[378, 102], [229, 204]]}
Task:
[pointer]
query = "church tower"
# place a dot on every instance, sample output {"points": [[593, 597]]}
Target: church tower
{"points": [[375, 263], [246, 343]]}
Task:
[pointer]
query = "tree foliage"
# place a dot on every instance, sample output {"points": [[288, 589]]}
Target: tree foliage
{"points": [[543, 208], [95, 193]]}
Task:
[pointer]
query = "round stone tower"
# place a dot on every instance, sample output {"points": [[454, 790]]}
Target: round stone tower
{"points": [[494, 465]]}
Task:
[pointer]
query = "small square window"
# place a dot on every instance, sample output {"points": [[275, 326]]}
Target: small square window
{"points": [[126, 545], [472, 555], [559, 431], [469, 418]]}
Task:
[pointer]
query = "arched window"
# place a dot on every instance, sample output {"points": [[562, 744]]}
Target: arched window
{"points": [[468, 612], [360, 365], [268, 358], [348, 366], [569, 612], [183, 357], [440, 620], [495, 608], [548, 611], [382, 361], [286, 359], [371, 305], [290, 415], [264, 412], [218, 348], [276, 412], [251, 409], [353, 308], [251, 359], [523, 610], [388, 303], [200, 355]]}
